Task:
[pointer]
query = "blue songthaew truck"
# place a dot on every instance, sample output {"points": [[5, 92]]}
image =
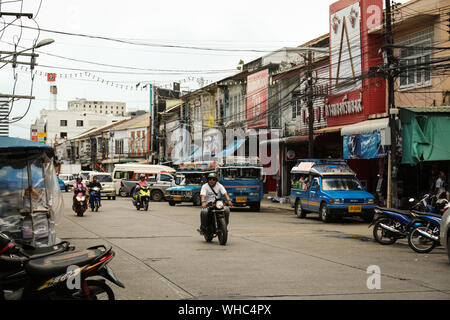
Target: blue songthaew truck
{"points": [[242, 178], [329, 187], [194, 175]]}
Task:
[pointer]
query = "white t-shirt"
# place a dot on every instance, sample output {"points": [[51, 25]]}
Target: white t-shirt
{"points": [[440, 185], [210, 196]]}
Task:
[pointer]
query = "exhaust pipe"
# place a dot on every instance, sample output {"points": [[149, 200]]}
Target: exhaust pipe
{"points": [[427, 235], [390, 229]]}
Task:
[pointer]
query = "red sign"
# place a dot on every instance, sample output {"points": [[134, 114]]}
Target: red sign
{"points": [[353, 52], [51, 77], [257, 99]]}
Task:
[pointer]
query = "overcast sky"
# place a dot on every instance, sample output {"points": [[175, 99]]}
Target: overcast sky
{"points": [[233, 24]]}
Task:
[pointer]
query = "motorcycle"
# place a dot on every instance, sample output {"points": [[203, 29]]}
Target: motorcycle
{"points": [[391, 225], [142, 198], [56, 276], [80, 204], [94, 199], [425, 235], [217, 223]]}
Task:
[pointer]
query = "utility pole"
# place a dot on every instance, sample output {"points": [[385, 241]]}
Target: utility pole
{"points": [[392, 176], [309, 92]]}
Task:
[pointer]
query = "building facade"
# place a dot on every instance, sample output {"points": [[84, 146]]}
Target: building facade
{"points": [[101, 107], [55, 126]]}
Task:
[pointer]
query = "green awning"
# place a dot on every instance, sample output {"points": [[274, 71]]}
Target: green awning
{"points": [[426, 134]]}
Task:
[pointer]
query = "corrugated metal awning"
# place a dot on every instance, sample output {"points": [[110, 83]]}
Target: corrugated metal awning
{"points": [[368, 126]]}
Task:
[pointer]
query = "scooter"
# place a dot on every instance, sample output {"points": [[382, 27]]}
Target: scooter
{"points": [[142, 198], [94, 199], [62, 276], [80, 206], [217, 223]]}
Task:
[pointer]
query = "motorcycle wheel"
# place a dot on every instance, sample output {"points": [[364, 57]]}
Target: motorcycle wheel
{"points": [[383, 236], [99, 290], [97, 205], [146, 206], [208, 236], [80, 212], [419, 243], [222, 233]]}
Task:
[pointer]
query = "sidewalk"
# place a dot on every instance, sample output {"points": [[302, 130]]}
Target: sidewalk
{"points": [[265, 203]]}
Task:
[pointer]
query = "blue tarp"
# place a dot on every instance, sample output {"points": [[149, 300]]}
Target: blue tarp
{"points": [[17, 143]]}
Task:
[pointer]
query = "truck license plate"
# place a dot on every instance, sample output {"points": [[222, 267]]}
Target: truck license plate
{"points": [[354, 209], [241, 199], [177, 198]]}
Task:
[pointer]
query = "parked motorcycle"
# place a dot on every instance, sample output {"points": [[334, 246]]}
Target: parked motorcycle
{"points": [[80, 206], [94, 199], [391, 225], [425, 235], [218, 225], [142, 198], [56, 276]]}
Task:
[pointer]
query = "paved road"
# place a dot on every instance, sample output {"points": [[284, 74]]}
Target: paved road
{"points": [[270, 255]]}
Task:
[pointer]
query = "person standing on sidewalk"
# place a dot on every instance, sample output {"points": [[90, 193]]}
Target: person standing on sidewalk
{"points": [[441, 184]]}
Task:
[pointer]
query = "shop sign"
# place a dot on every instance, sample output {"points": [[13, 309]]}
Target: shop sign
{"points": [[344, 108]]}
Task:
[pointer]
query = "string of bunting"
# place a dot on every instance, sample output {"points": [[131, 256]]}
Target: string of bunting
{"points": [[121, 85]]}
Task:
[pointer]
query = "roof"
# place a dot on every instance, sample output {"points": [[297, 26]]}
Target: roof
{"points": [[8, 143], [97, 131], [137, 122], [441, 109]]}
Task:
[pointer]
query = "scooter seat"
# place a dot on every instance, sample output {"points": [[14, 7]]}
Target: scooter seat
{"points": [[420, 213], [404, 212], [58, 264]]}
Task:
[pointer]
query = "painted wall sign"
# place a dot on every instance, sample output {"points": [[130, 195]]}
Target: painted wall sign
{"points": [[257, 99]]}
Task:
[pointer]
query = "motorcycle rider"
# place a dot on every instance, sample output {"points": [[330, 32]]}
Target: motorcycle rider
{"points": [[94, 184], [78, 185], [210, 192], [141, 183]]}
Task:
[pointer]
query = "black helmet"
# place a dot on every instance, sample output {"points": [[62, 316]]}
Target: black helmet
{"points": [[212, 176]]}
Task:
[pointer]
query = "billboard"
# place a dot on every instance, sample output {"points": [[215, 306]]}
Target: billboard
{"points": [[353, 52], [364, 146], [257, 99]]}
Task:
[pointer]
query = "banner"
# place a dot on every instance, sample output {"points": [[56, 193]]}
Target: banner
{"points": [[364, 146]]}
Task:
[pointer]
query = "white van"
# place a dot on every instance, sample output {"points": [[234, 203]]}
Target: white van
{"points": [[131, 171]]}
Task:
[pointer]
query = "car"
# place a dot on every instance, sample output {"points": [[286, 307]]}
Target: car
{"points": [[158, 183], [192, 175], [62, 185], [105, 179], [445, 230], [330, 188], [69, 180]]}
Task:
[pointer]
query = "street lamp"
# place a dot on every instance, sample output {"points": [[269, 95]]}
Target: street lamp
{"points": [[41, 44]]}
